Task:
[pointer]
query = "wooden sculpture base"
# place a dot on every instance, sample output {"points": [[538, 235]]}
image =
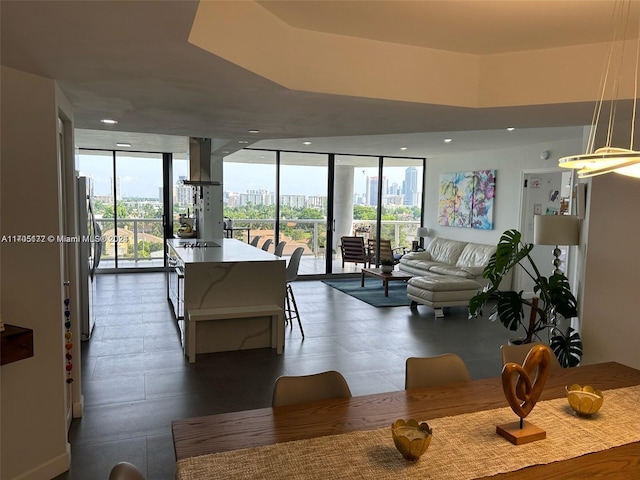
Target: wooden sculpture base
{"points": [[519, 436]]}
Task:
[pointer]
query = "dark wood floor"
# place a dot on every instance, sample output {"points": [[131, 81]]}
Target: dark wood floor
{"points": [[136, 380]]}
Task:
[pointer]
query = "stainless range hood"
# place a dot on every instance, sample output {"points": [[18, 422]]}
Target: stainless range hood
{"points": [[200, 162]]}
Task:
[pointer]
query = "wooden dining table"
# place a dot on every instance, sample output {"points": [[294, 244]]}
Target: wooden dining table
{"points": [[267, 426]]}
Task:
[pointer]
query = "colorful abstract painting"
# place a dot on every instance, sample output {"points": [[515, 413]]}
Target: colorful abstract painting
{"points": [[466, 199]]}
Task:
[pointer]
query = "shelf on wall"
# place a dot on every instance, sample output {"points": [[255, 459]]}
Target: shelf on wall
{"points": [[17, 344]]}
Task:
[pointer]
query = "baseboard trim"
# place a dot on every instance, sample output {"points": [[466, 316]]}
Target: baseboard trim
{"points": [[50, 469], [78, 407]]}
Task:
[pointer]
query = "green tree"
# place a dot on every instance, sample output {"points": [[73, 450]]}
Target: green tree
{"points": [[364, 212]]}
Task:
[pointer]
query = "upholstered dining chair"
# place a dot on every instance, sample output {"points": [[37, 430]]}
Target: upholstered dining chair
{"points": [[279, 249], [255, 240], [126, 471], [517, 353], [294, 390], [267, 243], [291, 308], [432, 371]]}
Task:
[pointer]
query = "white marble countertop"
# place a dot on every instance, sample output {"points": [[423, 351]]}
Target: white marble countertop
{"points": [[219, 250]]}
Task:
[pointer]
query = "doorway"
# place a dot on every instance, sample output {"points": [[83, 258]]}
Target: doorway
{"points": [[545, 192]]}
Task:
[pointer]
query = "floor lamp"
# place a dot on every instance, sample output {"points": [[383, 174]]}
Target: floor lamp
{"points": [[556, 230]]}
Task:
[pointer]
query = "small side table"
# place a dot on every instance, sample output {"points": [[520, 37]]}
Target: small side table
{"points": [[395, 275]]}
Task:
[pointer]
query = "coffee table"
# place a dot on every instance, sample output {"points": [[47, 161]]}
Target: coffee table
{"points": [[395, 275]]}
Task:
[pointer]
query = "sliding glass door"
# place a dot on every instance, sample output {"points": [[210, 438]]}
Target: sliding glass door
{"points": [[128, 206], [250, 195], [303, 205]]}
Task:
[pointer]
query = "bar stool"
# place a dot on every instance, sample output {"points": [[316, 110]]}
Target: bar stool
{"points": [[292, 273]]}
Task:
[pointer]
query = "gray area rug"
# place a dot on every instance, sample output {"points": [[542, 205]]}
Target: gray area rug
{"points": [[373, 291]]}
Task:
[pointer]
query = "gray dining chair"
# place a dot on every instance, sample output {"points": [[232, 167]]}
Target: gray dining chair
{"points": [[279, 249], [294, 390], [267, 243], [517, 353], [442, 369], [255, 241], [291, 308], [126, 471]]}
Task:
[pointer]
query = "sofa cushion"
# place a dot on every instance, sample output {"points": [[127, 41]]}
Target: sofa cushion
{"points": [[416, 256], [439, 283], [449, 270], [475, 255], [446, 251], [473, 271]]}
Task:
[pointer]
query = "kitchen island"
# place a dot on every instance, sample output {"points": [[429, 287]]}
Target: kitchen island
{"points": [[222, 285]]}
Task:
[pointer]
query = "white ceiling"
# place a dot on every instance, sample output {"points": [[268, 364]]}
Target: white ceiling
{"points": [[132, 61]]}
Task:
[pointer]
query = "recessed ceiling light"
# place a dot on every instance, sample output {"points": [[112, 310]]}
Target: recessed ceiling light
{"points": [[510, 129], [109, 121], [306, 143], [403, 148], [448, 140], [123, 144], [242, 141], [254, 131], [225, 151]]}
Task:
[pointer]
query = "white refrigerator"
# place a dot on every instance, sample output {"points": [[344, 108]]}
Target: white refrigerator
{"points": [[90, 250]]}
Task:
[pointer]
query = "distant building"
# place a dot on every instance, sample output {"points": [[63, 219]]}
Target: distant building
{"points": [[318, 202], [182, 194], [255, 197], [372, 189], [293, 201], [410, 186]]}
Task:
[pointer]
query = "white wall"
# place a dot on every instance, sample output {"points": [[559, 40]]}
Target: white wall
{"points": [[609, 313], [509, 165], [34, 435], [608, 263]]}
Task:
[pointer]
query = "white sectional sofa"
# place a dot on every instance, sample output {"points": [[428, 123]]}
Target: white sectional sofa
{"points": [[448, 273]]}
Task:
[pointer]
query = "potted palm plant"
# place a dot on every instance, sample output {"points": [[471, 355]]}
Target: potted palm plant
{"points": [[553, 302]]}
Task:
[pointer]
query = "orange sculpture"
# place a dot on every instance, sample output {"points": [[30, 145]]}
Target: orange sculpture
{"points": [[523, 386]]}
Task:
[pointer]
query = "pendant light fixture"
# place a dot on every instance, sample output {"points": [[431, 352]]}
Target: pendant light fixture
{"points": [[608, 158]]}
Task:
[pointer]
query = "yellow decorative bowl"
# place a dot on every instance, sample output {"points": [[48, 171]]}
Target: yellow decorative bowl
{"points": [[411, 438], [586, 400]]}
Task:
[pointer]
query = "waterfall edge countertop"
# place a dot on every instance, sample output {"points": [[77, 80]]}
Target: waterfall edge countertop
{"points": [[218, 250]]}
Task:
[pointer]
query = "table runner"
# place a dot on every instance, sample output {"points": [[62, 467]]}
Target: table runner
{"points": [[463, 446]]}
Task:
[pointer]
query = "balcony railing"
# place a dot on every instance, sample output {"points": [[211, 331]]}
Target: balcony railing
{"points": [[310, 233], [138, 247], [136, 242]]}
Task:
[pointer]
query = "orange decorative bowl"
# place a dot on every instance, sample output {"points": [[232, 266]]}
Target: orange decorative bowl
{"points": [[411, 438], [586, 400]]}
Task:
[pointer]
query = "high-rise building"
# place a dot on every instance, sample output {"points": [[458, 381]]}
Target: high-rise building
{"points": [[372, 189], [410, 186], [183, 193]]}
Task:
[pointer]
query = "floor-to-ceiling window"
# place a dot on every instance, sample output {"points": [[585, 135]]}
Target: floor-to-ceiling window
{"points": [[322, 197], [128, 206], [250, 192], [303, 202]]}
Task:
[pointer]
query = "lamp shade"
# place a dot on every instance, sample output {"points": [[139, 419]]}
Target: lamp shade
{"points": [[556, 230], [422, 232]]}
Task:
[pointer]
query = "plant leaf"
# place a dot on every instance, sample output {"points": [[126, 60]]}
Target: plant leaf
{"points": [[509, 308], [567, 347]]}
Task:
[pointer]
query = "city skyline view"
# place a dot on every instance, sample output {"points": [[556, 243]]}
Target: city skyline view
{"points": [[141, 177]]}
